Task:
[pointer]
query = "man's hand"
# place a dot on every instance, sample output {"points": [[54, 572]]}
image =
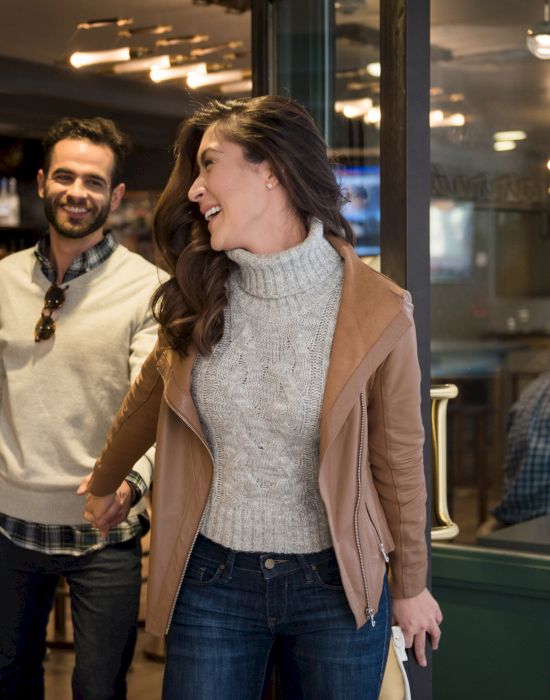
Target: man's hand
{"points": [[106, 511], [416, 617]]}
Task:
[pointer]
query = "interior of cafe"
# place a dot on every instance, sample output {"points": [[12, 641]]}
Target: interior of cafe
{"points": [[148, 64]]}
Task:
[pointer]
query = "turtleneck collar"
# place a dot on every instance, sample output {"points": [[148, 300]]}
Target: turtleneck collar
{"points": [[290, 272]]}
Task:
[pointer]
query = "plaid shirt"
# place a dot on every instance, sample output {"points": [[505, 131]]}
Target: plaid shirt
{"points": [[79, 539], [86, 261], [526, 491]]}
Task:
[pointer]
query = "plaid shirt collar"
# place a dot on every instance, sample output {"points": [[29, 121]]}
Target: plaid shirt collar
{"points": [[86, 261]]}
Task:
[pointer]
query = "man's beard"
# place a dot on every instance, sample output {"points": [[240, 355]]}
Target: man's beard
{"points": [[76, 230]]}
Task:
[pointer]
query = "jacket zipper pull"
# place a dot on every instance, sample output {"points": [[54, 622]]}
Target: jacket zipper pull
{"points": [[383, 550], [370, 616]]}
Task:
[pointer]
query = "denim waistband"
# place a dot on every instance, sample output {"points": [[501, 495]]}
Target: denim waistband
{"points": [[269, 564]]}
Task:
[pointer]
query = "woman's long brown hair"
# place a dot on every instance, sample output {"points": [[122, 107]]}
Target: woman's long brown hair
{"points": [[190, 305]]}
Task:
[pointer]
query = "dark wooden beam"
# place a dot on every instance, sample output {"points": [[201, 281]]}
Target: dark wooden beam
{"points": [[405, 192]]}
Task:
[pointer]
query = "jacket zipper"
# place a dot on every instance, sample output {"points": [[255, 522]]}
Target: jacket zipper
{"points": [[369, 612], [380, 543], [171, 613]]}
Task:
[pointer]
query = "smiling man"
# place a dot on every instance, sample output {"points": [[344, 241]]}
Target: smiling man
{"points": [[75, 327]]}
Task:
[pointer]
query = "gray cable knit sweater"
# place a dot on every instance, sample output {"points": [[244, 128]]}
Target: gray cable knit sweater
{"points": [[259, 396]]}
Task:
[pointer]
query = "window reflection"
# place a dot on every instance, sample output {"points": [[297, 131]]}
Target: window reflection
{"points": [[490, 236], [356, 133]]}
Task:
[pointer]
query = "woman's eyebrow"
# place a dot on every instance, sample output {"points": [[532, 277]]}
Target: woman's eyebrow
{"points": [[203, 155]]}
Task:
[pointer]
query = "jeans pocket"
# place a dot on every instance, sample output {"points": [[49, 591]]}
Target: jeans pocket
{"points": [[203, 572], [327, 575]]}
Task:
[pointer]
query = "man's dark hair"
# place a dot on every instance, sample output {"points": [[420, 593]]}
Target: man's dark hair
{"points": [[98, 130]]}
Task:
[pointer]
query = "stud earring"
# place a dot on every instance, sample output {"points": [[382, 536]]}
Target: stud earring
{"points": [[269, 185]]}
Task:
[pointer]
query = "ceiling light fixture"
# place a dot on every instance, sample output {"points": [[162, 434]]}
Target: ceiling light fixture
{"points": [[80, 59], [373, 116], [153, 29], [110, 22], [139, 65], [353, 108], [224, 76], [538, 36], [187, 39], [234, 6], [440, 118], [374, 69], [207, 50], [509, 135], [504, 145], [159, 75], [238, 86]]}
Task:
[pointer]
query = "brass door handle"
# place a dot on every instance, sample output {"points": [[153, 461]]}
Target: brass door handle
{"points": [[444, 528]]}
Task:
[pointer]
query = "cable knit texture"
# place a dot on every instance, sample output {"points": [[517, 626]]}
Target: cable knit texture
{"points": [[259, 396]]}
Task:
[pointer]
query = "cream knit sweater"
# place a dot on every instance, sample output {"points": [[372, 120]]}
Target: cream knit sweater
{"points": [[58, 397], [259, 395]]}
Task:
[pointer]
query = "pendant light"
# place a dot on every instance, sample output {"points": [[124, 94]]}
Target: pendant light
{"points": [[538, 36]]}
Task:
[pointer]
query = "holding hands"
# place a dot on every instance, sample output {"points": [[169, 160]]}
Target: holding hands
{"points": [[104, 512]]}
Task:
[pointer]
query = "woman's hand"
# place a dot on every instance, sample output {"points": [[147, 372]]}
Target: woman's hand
{"points": [[416, 617], [104, 512]]}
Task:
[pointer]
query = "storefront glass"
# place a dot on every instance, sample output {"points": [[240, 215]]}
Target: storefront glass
{"points": [[356, 133], [489, 235]]}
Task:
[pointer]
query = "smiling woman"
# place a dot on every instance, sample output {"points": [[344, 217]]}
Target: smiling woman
{"points": [[277, 346], [240, 200]]}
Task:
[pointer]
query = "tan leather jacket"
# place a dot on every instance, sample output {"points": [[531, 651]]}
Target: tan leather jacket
{"points": [[370, 476]]}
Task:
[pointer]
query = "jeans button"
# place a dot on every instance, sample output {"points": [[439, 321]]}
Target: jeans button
{"points": [[269, 564]]}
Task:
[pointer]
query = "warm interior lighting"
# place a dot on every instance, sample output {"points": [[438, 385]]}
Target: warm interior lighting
{"points": [[207, 50], [89, 58], [153, 29], [110, 22], [159, 75], [516, 135], [373, 116], [548, 164], [374, 69], [238, 86], [194, 80], [438, 118], [538, 36], [456, 119], [353, 108], [187, 39], [139, 65], [504, 145]]}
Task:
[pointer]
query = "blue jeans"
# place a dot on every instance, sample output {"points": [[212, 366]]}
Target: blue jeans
{"points": [[235, 609], [104, 588]]}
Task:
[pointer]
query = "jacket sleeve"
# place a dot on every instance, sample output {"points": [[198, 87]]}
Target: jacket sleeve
{"points": [[143, 340], [396, 439], [133, 430]]}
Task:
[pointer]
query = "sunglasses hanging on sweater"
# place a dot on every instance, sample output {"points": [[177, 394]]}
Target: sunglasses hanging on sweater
{"points": [[54, 299]]}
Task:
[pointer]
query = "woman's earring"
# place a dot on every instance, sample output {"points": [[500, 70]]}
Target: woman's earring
{"points": [[269, 185]]}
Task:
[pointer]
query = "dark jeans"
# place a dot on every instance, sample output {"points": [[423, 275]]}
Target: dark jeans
{"points": [[234, 607], [104, 588]]}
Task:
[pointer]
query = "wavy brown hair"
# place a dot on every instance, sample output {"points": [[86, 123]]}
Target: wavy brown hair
{"points": [[190, 305]]}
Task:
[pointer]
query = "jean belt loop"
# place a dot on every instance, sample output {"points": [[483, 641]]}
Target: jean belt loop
{"points": [[306, 566], [229, 564]]}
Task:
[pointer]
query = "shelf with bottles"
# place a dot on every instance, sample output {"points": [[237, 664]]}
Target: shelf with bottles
{"points": [[10, 206], [14, 238]]}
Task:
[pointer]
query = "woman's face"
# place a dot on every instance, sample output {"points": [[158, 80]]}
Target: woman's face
{"points": [[235, 196]]}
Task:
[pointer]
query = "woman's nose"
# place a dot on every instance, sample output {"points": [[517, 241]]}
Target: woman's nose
{"points": [[196, 190]]}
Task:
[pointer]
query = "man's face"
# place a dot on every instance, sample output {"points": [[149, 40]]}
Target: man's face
{"points": [[77, 188]]}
